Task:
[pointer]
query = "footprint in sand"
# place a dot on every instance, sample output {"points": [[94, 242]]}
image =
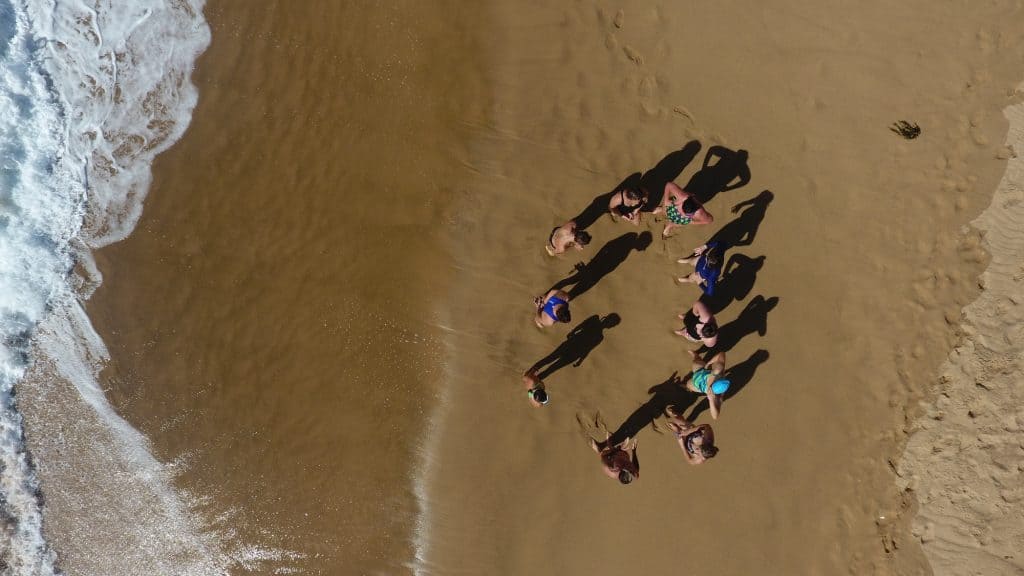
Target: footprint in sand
{"points": [[620, 16], [633, 55]]}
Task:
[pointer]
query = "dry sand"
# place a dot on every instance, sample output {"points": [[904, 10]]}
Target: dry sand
{"points": [[261, 274], [965, 461]]}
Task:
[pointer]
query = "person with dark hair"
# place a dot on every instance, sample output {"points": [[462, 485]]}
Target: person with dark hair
{"points": [[707, 379], [618, 461], [552, 308], [628, 203], [696, 442], [566, 236], [535, 390], [682, 208], [699, 325], [707, 261]]}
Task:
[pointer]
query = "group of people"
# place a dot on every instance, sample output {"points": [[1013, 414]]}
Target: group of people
{"points": [[680, 208]]}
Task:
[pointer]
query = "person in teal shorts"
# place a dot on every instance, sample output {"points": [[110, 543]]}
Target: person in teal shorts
{"points": [[707, 379]]}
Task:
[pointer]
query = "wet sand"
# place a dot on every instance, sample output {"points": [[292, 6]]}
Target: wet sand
{"points": [[353, 228], [270, 317]]}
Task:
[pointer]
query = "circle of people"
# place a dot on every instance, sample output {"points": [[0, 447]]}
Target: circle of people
{"points": [[680, 208]]}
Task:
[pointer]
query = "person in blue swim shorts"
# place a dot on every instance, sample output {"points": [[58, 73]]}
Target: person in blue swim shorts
{"points": [[707, 379]]}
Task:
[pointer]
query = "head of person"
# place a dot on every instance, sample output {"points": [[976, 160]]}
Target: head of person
{"points": [[562, 314], [581, 237], [690, 205], [633, 194], [708, 450], [625, 476], [709, 329], [538, 395], [712, 257]]}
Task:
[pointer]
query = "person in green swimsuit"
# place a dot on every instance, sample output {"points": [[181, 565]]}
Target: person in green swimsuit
{"points": [[707, 379], [682, 208]]}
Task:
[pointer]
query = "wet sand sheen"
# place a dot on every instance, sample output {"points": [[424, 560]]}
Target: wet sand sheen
{"points": [[271, 317]]}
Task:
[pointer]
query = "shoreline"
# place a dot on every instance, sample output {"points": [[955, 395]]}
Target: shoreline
{"points": [[968, 519], [264, 361]]}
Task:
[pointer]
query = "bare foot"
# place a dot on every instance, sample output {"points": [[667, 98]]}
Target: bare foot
{"points": [[679, 332]]}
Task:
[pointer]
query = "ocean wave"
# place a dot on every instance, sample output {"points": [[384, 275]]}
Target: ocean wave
{"points": [[90, 92]]}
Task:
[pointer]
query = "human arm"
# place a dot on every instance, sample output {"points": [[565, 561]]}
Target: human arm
{"points": [[674, 195]]}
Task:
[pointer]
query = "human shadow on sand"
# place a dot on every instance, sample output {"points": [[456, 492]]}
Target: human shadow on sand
{"points": [[599, 205], [607, 259], [740, 231], [738, 278], [738, 375], [669, 168], [671, 392], [579, 343], [666, 170], [753, 318], [728, 172]]}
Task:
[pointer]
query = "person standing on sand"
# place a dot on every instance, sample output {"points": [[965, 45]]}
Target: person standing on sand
{"points": [[707, 379], [552, 308], [618, 461], [699, 325], [707, 261], [628, 203], [566, 236], [682, 208], [696, 442], [535, 389]]}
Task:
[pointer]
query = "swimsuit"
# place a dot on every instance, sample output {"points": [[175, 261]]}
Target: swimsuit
{"points": [[707, 272], [688, 440], [700, 382], [625, 209], [675, 216], [549, 306]]}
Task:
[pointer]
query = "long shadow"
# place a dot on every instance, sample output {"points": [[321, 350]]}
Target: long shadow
{"points": [[739, 376], [740, 231], [729, 172], [666, 170], [586, 336], [607, 259], [753, 318], [738, 278], [671, 392], [599, 205]]}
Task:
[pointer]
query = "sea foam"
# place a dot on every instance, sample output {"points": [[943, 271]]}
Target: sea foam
{"points": [[90, 92]]}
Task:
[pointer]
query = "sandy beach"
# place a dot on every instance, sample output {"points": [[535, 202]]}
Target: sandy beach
{"points": [[324, 313]]}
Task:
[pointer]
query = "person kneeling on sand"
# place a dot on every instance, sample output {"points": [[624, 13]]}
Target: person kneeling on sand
{"points": [[628, 203], [707, 379], [552, 308], [682, 208], [618, 461], [696, 442], [535, 389], [699, 325], [566, 236], [707, 261]]}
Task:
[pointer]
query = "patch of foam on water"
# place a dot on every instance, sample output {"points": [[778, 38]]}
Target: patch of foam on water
{"points": [[424, 472], [90, 92]]}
